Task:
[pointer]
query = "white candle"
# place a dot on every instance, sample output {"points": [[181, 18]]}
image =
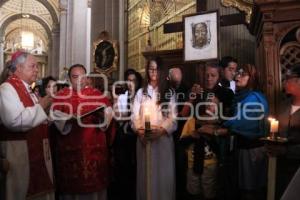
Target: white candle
{"points": [[272, 161], [147, 119], [274, 126]]}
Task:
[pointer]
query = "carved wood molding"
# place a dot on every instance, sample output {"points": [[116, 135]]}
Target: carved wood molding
{"points": [[298, 35], [268, 29], [289, 55], [284, 29], [290, 45], [242, 5], [289, 52], [89, 3]]}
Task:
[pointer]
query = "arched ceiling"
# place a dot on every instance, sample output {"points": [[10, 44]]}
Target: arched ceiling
{"points": [[15, 35], [25, 6], [27, 25], [55, 5], [36, 16], [33, 7]]}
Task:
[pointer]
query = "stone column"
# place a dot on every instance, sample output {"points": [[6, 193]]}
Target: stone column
{"points": [[49, 59], [69, 33], [75, 33], [1, 55], [79, 32], [55, 68], [88, 36], [121, 38], [63, 36]]}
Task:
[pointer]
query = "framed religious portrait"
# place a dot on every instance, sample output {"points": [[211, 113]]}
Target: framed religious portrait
{"points": [[105, 56], [201, 36]]}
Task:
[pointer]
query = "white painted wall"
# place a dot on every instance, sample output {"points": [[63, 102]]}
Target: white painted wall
{"points": [[75, 33]]}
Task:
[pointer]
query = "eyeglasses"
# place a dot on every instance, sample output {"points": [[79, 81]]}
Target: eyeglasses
{"points": [[241, 74], [152, 70]]}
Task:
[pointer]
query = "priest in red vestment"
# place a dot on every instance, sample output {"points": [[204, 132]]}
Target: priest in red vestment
{"points": [[82, 148], [24, 137]]}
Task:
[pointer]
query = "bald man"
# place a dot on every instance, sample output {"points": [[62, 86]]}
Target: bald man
{"points": [[175, 76]]}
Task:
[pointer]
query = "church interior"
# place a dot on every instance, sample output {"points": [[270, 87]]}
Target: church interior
{"points": [[109, 37]]}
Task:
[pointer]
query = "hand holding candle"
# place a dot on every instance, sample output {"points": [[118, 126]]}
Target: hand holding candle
{"points": [[147, 119], [148, 152], [147, 123]]}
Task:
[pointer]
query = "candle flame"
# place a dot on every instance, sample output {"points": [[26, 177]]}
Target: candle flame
{"points": [[147, 112], [271, 119]]}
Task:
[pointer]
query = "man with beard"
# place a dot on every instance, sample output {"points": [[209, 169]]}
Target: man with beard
{"points": [[201, 35]]}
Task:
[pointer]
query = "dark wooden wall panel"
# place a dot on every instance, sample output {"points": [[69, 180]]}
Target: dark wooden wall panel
{"points": [[235, 40]]}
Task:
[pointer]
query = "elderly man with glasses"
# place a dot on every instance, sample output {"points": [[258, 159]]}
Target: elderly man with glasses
{"points": [[24, 137]]}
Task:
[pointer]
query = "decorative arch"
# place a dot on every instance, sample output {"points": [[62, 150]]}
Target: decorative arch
{"points": [[19, 16], [47, 5], [289, 51], [284, 31], [43, 37]]}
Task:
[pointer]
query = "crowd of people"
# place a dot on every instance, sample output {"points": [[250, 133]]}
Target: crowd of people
{"points": [[81, 142]]}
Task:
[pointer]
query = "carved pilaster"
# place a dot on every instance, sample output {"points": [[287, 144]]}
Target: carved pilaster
{"points": [[89, 3], [63, 6], [272, 20], [1, 54]]}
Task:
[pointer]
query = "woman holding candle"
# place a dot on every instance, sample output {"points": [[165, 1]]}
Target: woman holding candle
{"points": [[153, 106], [248, 124]]}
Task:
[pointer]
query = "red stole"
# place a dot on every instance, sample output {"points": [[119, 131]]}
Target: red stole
{"points": [[39, 180], [83, 155]]}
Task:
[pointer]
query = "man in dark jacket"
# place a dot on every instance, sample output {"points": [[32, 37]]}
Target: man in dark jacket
{"points": [[289, 126]]}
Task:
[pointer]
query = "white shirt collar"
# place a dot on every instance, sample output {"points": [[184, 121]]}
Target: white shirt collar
{"points": [[27, 86], [150, 87], [294, 109]]}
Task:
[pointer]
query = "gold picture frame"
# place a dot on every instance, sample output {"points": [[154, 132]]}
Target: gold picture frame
{"points": [[105, 56], [242, 5]]}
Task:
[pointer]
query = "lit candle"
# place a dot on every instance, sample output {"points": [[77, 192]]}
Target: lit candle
{"points": [[274, 124], [147, 119]]}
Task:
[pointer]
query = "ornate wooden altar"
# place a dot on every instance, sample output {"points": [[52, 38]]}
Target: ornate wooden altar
{"points": [[276, 25]]}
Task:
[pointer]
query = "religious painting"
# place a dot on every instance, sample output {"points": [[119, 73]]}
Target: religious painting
{"points": [[201, 36], [105, 56]]}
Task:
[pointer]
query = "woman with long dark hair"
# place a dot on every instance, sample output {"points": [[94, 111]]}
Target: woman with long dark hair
{"points": [[124, 147], [153, 100], [48, 87]]}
